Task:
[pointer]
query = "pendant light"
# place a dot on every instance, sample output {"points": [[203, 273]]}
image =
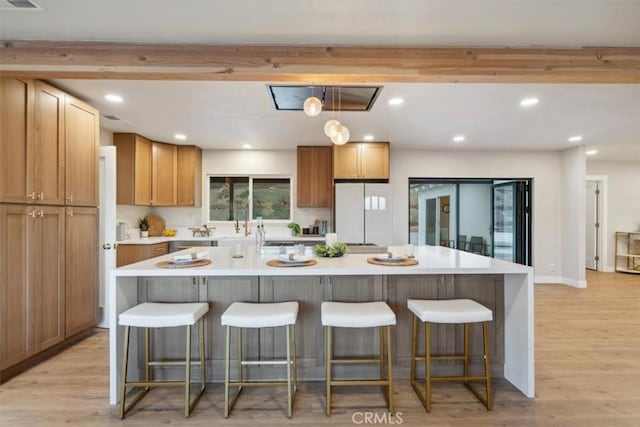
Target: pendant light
{"points": [[312, 105], [338, 133]]}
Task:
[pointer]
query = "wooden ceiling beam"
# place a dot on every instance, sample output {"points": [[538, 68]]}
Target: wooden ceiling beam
{"points": [[105, 60]]}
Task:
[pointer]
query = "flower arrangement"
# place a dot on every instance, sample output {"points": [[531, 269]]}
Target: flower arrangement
{"points": [[336, 250]]}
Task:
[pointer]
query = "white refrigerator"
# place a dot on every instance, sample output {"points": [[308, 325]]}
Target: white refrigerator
{"points": [[363, 213]]}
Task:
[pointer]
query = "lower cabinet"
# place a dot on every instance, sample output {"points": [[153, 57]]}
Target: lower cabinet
{"points": [[48, 275], [128, 254], [81, 269]]}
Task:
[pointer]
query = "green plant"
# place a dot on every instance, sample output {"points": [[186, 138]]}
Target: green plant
{"points": [[336, 250], [144, 224], [294, 227]]}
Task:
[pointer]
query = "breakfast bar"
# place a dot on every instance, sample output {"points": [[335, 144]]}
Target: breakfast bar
{"points": [[440, 273]]}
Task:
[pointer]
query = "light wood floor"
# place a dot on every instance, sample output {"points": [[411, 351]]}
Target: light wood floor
{"points": [[587, 374]]}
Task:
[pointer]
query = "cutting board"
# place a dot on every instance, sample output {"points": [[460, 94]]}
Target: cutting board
{"points": [[156, 225]]}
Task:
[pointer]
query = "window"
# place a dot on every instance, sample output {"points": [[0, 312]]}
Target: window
{"points": [[241, 197]]}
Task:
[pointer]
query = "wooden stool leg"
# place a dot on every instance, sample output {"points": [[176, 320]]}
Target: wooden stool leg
{"points": [[389, 370], [327, 359], [427, 364], [239, 338], [125, 360], [487, 365], [187, 375], [466, 350], [147, 356], [227, 350]]}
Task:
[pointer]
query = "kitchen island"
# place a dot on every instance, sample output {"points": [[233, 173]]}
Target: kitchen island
{"points": [[504, 287]]}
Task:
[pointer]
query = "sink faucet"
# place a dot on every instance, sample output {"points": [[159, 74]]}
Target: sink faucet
{"points": [[247, 231]]}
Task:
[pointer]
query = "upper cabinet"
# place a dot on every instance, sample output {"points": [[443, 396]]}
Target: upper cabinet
{"points": [[49, 145], [157, 174], [164, 174], [189, 181], [133, 169], [82, 141], [361, 160], [315, 179]]}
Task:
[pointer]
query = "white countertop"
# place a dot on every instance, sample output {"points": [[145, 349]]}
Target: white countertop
{"points": [[187, 238], [432, 260]]}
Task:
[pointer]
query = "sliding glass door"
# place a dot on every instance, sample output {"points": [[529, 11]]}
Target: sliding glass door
{"points": [[509, 231]]}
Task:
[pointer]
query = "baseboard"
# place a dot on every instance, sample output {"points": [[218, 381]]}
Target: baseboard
{"points": [[561, 281], [608, 269]]}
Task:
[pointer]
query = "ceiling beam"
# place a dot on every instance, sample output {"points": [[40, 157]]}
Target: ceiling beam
{"points": [[319, 64]]}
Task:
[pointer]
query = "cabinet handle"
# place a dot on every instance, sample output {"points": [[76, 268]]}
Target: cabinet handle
{"points": [[41, 213], [106, 246], [40, 196], [32, 214], [70, 198], [31, 196], [70, 212]]}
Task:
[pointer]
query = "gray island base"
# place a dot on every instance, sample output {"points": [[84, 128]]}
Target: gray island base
{"points": [[503, 287]]}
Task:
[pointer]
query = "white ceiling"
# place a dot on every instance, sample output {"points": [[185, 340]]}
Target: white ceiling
{"points": [[229, 114]]}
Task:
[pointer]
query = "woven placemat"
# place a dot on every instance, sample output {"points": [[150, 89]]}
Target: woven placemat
{"points": [[403, 263], [169, 264], [278, 263]]}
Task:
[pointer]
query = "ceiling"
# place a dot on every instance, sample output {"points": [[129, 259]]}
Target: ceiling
{"points": [[230, 114]]}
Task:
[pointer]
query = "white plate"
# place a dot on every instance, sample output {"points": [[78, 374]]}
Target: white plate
{"points": [[386, 258], [296, 258], [185, 261]]}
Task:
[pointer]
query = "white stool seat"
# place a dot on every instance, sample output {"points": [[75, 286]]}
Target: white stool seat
{"points": [[356, 314], [163, 315], [260, 315], [450, 311]]}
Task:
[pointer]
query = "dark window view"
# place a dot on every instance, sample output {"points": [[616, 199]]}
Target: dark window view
{"points": [[488, 217], [239, 198], [271, 198]]}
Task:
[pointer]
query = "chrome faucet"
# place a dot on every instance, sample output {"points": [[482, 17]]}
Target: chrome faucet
{"points": [[247, 231]]}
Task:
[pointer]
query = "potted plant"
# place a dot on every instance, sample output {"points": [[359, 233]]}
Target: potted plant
{"points": [[295, 228], [144, 227]]}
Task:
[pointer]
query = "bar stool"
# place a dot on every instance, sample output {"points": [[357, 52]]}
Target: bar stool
{"points": [[359, 315], [449, 311], [163, 315], [260, 315]]}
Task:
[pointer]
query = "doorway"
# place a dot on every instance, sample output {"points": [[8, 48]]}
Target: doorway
{"points": [[595, 223]]}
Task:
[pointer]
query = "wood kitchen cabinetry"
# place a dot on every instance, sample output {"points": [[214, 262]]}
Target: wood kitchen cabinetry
{"points": [[361, 160], [128, 254], [33, 274], [133, 169], [189, 175], [81, 269], [315, 178], [49, 151], [164, 174]]}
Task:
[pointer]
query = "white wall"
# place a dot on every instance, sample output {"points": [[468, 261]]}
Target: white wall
{"points": [[106, 137], [573, 217], [623, 198], [544, 167]]}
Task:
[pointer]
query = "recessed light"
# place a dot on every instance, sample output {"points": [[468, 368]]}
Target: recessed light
{"points": [[368, 137], [529, 102], [458, 138], [180, 136], [575, 138], [112, 97], [246, 146], [591, 152], [396, 101]]}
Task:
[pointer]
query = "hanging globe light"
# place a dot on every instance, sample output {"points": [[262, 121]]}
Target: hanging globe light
{"points": [[312, 106], [330, 128], [342, 135]]}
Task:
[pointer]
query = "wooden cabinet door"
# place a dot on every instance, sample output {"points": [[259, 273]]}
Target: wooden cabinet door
{"points": [[163, 172], [129, 254], [81, 269], [16, 339], [16, 140], [346, 161], [81, 153], [49, 144], [374, 160], [315, 178], [189, 180], [48, 288], [133, 169]]}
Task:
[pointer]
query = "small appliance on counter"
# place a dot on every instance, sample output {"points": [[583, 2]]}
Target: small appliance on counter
{"points": [[122, 231]]}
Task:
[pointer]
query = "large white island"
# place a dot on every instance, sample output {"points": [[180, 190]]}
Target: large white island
{"points": [[504, 287]]}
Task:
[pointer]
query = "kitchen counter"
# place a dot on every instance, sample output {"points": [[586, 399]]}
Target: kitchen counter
{"points": [[214, 237], [504, 287]]}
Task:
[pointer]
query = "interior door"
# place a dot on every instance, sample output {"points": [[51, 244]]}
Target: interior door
{"points": [[591, 232], [503, 233], [431, 220], [107, 218]]}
